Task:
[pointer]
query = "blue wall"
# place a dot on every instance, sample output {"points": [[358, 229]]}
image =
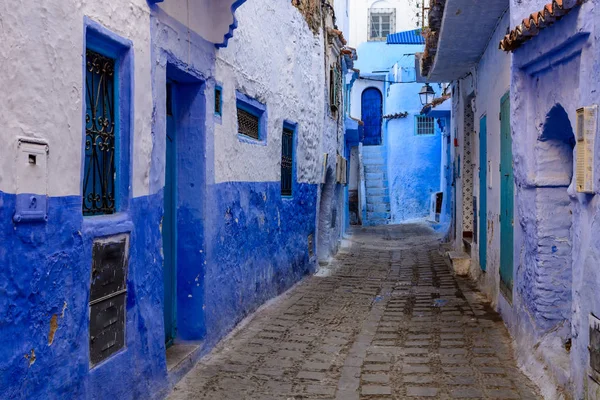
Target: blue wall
{"points": [[46, 271]]}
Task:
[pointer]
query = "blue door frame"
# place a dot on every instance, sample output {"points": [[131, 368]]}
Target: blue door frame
{"points": [[483, 192], [169, 225], [507, 191]]}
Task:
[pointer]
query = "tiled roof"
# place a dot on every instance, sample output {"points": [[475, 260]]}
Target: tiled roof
{"points": [[406, 37], [532, 25]]}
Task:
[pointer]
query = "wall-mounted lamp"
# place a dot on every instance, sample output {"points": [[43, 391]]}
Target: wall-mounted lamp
{"points": [[426, 94]]}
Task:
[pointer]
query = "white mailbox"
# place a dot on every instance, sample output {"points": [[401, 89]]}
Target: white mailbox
{"points": [[32, 180]]}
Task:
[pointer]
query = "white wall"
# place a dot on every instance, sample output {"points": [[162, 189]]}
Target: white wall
{"points": [[208, 18], [406, 18], [286, 75], [42, 82]]}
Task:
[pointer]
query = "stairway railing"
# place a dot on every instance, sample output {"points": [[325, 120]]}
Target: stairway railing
{"points": [[362, 187]]}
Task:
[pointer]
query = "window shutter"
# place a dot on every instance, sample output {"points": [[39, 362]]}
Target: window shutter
{"points": [[587, 121]]}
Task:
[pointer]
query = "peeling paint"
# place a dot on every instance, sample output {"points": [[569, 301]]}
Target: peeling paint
{"points": [[53, 328]]}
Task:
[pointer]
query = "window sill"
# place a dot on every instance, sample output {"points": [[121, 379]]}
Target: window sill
{"points": [[247, 139], [106, 225]]}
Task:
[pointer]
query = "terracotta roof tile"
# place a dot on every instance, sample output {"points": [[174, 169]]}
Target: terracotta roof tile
{"points": [[533, 23]]}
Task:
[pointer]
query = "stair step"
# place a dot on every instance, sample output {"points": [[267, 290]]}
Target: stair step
{"points": [[460, 261], [380, 183], [373, 192], [375, 168], [379, 207], [376, 175], [378, 200], [377, 215]]}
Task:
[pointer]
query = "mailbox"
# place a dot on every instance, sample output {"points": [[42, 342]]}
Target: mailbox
{"points": [[32, 181]]}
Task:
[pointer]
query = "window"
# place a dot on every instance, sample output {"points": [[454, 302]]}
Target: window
{"points": [[100, 143], [424, 125], [334, 88], [382, 22], [287, 159], [251, 117], [248, 123], [218, 101], [108, 108]]}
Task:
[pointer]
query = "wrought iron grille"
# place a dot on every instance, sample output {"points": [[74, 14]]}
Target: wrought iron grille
{"points": [[425, 125], [287, 161], [99, 175], [218, 101], [248, 123]]}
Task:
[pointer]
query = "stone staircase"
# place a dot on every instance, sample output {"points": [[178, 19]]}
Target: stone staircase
{"points": [[376, 180]]}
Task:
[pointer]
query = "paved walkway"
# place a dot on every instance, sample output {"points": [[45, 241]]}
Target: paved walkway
{"points": [[387, 320]]}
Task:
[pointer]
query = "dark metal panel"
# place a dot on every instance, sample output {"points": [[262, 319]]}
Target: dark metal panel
{"points": [[107, 328], [109, 267]]}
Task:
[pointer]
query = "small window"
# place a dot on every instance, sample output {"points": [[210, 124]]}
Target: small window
{"points": [[382, 22], [425, 125], [287, 160], [252, 120], [335, 78], [248, 123], [218, 101], [100, 144]]}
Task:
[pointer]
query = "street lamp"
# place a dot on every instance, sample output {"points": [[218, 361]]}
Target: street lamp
{"points": [[426, 94]]}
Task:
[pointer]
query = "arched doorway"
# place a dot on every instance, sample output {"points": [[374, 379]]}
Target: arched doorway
{"points": [[372, 116]]}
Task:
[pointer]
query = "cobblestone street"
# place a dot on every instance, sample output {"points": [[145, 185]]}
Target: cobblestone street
{"points": [[385, 320]]}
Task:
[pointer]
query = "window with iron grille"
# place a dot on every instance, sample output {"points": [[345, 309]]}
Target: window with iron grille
{"points": [[334, 87], [100, 143], [218, 101], [382, 22], [287, 160], [424, 125], [248, 123]]}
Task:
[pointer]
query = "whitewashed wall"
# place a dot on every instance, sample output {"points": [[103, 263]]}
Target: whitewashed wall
{"points": [[406, 18], [287, 75], [42, 82]]}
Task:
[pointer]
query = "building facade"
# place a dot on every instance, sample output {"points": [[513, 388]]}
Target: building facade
{"points": [[403, 147], [525, 121], [159, 184]]}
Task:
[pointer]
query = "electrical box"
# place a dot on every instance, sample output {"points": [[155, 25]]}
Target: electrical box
{"points": [[31, 172], [587, 122], [341, 170], [108, 295]]}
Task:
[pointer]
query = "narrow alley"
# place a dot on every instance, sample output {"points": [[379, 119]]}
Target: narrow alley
{"points": [[387, 319]]}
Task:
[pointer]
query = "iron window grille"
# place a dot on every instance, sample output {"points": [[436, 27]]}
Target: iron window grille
{"points": [[381, 22], [248, 123], [335, 78], [99, 166], [287, 161], [425, 125], [218, 101]]}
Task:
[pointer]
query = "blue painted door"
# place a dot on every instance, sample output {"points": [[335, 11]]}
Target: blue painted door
{"points": [[483, 192], [507, 191], [169, 225], [372, 116]]}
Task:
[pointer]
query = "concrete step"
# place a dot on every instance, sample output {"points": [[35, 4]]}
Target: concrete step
{"points": [[373, 149], [371, 215], [460, 262], [378, 200], [375, 168], [376, 222], [378, 207], [377, 183], [374, 192], [376, 175]]}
